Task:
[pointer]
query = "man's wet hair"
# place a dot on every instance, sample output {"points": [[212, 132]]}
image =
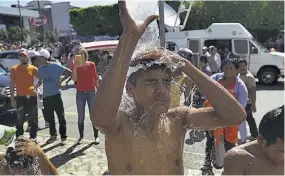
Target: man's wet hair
{"points": [[147, 61], [271, 126], [204, 59], [233, 61], [242, 61]]}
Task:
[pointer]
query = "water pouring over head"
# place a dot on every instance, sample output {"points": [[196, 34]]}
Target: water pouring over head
{"points": [[149, 83]]}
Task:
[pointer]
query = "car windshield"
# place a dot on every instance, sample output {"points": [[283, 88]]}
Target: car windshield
{"points": [[259, 45]]}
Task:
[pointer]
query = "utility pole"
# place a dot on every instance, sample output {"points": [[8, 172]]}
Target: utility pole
{"points": [[42, 26], [161, 23], [21, 22]]}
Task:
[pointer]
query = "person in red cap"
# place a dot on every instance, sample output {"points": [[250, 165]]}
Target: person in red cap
{"points": [[22, 76]]}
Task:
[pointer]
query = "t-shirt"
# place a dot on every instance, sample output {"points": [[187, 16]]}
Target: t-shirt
{"points": [[213, 64], [50, 74], [207, 70], [86, 77], [24, 79], [249, 81]]}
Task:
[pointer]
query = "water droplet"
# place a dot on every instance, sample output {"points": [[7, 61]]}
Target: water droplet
{"points": [[250, 163]]}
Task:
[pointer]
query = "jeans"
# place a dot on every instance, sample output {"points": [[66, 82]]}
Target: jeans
{"points": [[27, 105], [54, 104], [81, 99], [251, 121]]}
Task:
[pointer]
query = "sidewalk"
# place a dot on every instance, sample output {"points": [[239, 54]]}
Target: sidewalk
{"points": [[90, 159]]}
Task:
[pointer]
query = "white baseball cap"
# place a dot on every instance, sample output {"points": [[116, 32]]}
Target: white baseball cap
{"points": [[33, 53], [44, 53]]}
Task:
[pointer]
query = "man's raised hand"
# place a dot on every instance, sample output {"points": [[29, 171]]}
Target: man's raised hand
{"points": [[129, 25]]}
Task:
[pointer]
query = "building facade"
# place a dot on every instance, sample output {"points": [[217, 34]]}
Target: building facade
{"points": [[11, 16]]}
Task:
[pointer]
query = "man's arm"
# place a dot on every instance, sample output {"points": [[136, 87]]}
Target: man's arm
{"points": [[235, 162], [109, 94], [66, 72], [226, 111]]}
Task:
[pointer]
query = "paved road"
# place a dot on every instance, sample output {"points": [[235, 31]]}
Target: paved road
{"points": [[268, 97]]}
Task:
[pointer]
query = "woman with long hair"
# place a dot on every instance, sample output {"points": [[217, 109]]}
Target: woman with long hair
{"points": [[85, 75]]}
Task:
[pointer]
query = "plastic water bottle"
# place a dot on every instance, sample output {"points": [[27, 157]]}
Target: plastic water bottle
{"points": [[7, 135]]}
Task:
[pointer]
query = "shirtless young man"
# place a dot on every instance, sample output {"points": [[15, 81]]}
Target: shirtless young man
{"points": [[151, 145], [264, 156], [27, 148]]}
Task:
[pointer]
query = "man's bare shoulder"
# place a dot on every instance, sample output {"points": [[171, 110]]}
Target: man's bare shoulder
{"points": [[236, 161], [239, 152], [120, 117]]}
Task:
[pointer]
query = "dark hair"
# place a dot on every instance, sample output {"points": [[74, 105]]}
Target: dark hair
{"points": [[145, 65], [233, 61], [33, 59], [204, 59], [271, 126], [241, 61]]}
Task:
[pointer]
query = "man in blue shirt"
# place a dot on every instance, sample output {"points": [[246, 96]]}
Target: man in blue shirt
{"points": [[50, 75]]}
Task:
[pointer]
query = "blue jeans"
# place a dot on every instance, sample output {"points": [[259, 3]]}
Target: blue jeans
{"points": [[81, 99]]}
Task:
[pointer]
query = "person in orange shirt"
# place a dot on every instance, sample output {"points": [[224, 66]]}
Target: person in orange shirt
{"points": [[22, 76], [223, 139]]}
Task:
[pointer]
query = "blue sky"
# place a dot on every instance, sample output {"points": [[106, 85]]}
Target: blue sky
{"points": [[77, 3]]}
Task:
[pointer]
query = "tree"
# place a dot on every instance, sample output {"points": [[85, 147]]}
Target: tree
{"points": [[34, 37], [262, 17], [16, 34], [96, 20], [51, 36], [3, 35]]}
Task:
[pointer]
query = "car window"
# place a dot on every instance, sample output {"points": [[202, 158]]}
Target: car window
{"points": [[12, 56], [3, 55]]}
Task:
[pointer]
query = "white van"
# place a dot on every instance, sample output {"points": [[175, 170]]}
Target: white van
{"points": [[265, 65]]}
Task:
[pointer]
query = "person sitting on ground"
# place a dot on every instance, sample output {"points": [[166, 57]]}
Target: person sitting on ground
{"points": [[148, 139], [27, 158], [264, 156]]}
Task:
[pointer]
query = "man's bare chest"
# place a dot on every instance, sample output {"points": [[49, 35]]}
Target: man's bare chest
{"points": [[262, 168]]}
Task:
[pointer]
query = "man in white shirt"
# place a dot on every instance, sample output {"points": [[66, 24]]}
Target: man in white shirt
{"points": [[214, 60], [250, 83]]}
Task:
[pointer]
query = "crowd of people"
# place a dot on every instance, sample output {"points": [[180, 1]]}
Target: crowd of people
{"points": [[149, 138]]}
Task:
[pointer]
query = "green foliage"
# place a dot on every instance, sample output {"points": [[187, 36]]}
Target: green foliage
{"points": [[51, 36], [36, 37], [3, 35], [16, 34], [256, 16], [96, 20], [252, 14]]}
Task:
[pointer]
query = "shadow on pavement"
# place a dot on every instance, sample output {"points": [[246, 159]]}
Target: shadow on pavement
{"points": [[278, 86], [63, 158], [50, 148], [195, 136]]}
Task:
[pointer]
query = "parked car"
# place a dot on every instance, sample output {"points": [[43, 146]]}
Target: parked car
{"points": [[8, 59], [5, 103]]}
